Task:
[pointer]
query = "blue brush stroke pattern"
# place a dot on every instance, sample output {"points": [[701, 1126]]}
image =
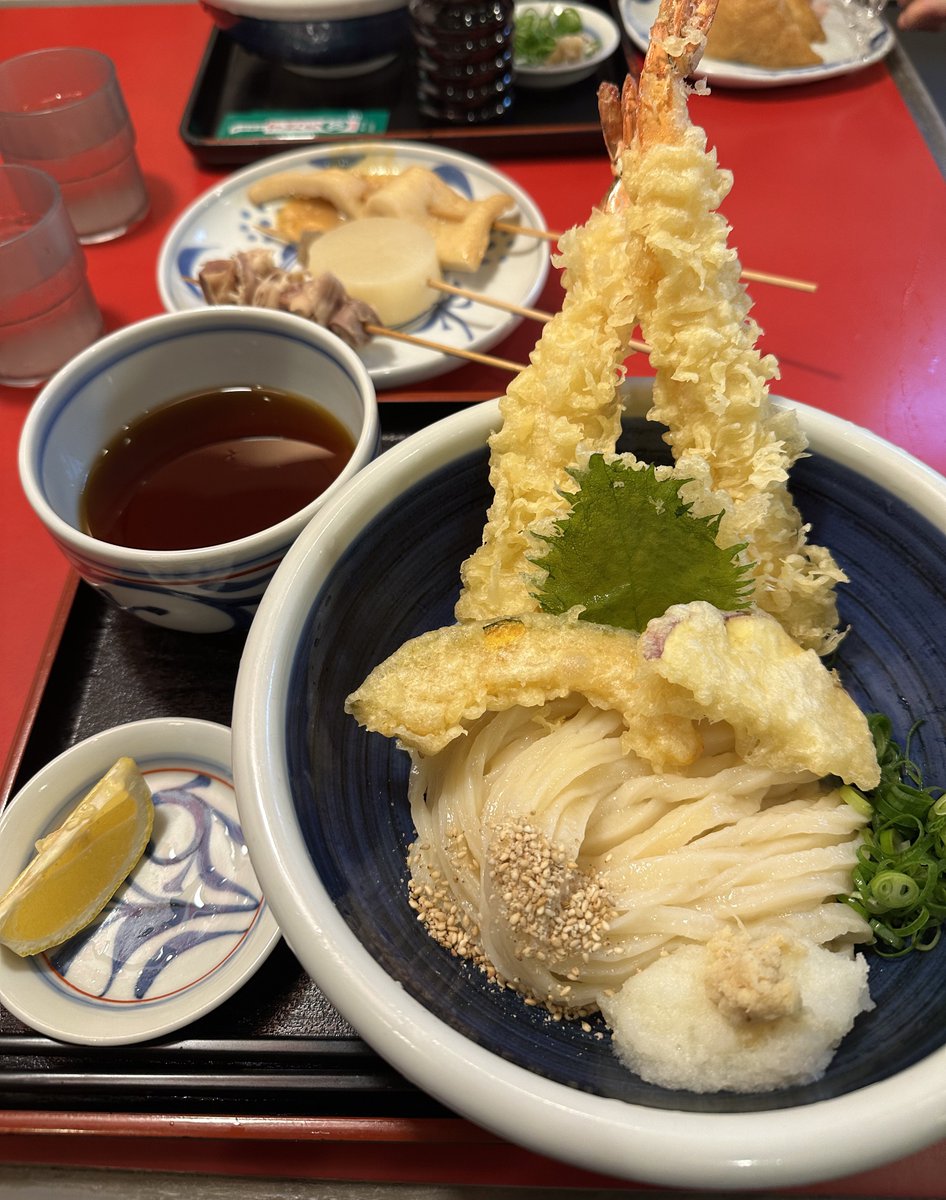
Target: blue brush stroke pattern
{"points": [[138, 916]]}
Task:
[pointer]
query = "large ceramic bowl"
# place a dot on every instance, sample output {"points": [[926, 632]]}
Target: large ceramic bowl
{"points": [[324, 810], [327, 38]]}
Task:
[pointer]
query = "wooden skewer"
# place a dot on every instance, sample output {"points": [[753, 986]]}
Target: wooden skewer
{"points": [[473, 355], [534, 314], [785, 281], [520, 310], [552, 235], [526, 230]]}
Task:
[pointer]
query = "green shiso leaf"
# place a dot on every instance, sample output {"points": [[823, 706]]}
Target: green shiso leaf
{"points": [[630, 547]]}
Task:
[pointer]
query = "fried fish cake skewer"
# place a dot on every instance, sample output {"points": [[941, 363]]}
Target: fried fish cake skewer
{"points": [[319, 200], [343, 189]]}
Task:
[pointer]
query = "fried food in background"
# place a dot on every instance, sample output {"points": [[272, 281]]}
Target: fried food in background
{"points": [[765, 33], [807, 20], [305, 214], [318, 201]]}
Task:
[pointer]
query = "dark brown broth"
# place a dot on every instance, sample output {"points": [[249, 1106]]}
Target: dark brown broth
{"points": [[212, 467]]}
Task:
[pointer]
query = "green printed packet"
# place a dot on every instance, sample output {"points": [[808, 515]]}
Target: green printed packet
{"points": [[303, 126]]}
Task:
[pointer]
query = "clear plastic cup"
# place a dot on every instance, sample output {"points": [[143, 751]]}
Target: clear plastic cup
{"points": [[62, 111], [47, 310]]}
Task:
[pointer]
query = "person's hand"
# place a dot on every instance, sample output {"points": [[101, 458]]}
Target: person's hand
{"points": [[922, 14]]}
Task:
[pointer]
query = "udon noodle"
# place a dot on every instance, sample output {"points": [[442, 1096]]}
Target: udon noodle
{"points": [[573, 864]]}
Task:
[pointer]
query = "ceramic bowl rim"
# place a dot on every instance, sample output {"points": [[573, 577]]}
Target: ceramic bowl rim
{"points": [[734, 1150], [252, 547], [305, 11]]}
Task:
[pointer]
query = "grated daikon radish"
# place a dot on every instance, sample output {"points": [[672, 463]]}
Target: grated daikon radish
{"points": [[384, 261]]}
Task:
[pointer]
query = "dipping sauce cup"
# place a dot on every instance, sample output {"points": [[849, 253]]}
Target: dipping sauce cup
{"points": [[107, 390], [47, 310], [62, 111]]}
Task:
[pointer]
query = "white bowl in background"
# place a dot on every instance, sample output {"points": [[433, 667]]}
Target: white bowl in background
{"points": [[594, 22], [327, 38]]}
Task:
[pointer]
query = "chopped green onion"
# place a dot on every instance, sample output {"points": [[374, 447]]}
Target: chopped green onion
{"points": [[537, 33], [893, 889], [900, 877], [568, 21], [857, 800]]}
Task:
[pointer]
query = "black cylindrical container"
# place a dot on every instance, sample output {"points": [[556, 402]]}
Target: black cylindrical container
{"points": [[464, 59]]}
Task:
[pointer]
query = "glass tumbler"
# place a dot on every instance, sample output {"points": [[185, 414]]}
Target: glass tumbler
{"points": [[62, 111], [47, 310]]}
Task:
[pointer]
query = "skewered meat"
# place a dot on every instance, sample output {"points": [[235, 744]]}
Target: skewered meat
{"points": [[251, 278]]}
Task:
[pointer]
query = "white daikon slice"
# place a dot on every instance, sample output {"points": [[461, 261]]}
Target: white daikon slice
{"points": [[384, 261]]}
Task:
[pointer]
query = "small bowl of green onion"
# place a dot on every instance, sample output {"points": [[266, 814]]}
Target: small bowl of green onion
{"points": [[557, 45]]}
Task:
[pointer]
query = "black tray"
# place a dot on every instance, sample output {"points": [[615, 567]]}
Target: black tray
{"points": [[277, 1047], [231, 81]]}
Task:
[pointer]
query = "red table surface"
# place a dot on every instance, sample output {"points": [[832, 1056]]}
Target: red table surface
{"points": [[833, 183]]}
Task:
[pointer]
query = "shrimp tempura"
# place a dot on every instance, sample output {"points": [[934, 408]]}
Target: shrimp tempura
{"points": [[557, 412], [655, 251], [711, 386]]}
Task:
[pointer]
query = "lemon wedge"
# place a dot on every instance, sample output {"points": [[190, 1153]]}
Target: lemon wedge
{"points": [[79, 866]]}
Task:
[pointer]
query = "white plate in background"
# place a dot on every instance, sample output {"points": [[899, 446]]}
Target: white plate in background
{"points": [[854, 40]]}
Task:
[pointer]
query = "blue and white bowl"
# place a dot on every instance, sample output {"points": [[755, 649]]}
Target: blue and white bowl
{"points": [[324, 807], [213, 588], [326, 38]]}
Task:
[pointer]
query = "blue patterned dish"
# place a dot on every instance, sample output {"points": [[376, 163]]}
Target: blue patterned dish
{"points": [[223, 221], [186, 929], [324, 808]]}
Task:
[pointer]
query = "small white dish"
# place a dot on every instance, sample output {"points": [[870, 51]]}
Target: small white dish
{"points": [[855, 39], [594, 23], [223, 221], [188, 927]]}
